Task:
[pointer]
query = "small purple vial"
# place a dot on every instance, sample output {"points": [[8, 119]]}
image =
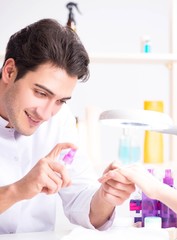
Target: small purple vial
{"points": [[69, 157], [168, 179]]}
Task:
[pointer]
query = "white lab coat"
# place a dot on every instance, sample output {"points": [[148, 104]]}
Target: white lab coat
{"points": [[18, 154]]}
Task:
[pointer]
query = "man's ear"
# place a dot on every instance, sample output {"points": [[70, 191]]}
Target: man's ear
{"points": [[9, 71]]}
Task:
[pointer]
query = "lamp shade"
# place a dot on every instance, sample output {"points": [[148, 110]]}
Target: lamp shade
{"points": [[145, 119]]}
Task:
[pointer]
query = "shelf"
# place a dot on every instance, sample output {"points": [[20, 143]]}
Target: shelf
{"points": [[141, 58], [125, 58]]}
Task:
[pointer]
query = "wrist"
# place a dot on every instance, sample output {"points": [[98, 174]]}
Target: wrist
{"points": [[8, 197], [101, 209], [156, 191]]}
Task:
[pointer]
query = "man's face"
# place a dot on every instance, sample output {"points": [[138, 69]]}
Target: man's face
{"points": [[36, 97]]}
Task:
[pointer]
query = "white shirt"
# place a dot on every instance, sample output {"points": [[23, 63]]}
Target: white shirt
{"points": [[18, 154]]}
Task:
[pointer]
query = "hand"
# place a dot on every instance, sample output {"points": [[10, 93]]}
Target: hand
{"points": [[142, 178], [115, 188], [46, 176]]}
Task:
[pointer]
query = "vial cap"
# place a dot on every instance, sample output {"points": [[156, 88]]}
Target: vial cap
{"points": [[168, 177]]}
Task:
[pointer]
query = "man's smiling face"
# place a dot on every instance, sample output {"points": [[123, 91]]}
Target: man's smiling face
{"points": [[36, 97]]}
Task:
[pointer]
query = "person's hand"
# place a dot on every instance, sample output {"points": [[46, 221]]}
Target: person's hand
{"points": [[139, 175], [115, 187], [47, 176]]}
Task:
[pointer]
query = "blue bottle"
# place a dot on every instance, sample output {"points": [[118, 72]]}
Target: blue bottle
{"points": [[124, 148], [129, 148]]}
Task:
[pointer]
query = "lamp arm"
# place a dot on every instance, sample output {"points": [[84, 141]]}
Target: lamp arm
{"points": [[171, 130]]}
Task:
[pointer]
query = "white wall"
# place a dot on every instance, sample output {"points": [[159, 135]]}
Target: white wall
{"points": [[113, 26]]}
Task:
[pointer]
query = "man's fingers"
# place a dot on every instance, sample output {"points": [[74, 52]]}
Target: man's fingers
{"points": [[59, 173], [54, 153], [114, 175]]}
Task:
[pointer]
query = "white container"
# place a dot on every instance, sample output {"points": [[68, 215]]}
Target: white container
{"points": [[152, 222]]}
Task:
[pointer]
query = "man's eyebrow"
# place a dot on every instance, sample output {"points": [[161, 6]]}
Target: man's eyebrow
{"points": [[65, 98], [44, 88], [50, 92]]}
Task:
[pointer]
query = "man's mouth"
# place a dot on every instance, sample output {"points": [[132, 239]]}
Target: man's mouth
{"points": [[32, 119]]}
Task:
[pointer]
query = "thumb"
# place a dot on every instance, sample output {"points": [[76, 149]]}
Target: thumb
{"points": [[58, 148], [112, 166]]}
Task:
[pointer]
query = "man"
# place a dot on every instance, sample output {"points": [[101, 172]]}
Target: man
{"points": [[42, 65]]}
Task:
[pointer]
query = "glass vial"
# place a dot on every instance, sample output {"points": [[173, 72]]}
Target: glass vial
{"points": [[124, 147], [145, 44], [129, 148]]}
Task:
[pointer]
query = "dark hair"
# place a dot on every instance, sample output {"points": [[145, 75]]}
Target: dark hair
{"points": [[48, 41]]}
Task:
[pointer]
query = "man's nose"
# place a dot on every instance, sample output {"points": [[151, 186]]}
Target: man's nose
{"points": [[46, 112]]}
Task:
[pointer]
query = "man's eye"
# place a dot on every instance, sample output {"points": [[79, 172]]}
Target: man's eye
{"points": [[40, 94], [59, 102]]}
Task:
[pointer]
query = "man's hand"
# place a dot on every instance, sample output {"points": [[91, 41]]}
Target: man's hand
{"points": [[46, 176], [115, 188]]}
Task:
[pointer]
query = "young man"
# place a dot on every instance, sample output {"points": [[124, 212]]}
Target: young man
{"points": [[42, 65]]}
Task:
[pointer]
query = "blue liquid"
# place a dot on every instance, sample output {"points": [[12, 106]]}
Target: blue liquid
{"points": [[128, 155], [124, 154], [135, 154], [147, 48]]}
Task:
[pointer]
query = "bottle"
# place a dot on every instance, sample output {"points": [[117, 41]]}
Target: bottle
{"points": [[153, 141], [135, 149], [146, 44], [129, 148], [135, 206], [169, 217], [69, 157], [71, 19], [153, 222], [124, 147], [150, 207]]}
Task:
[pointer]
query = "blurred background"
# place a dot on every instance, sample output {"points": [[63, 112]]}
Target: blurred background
{"points": [[108, 29], [113, 33]]}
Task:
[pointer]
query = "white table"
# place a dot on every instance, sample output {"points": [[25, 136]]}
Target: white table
{"points": [[32, 236], [79, 232]]}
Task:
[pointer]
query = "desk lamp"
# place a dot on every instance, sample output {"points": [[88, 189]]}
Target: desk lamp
{"points": [[145, 119]]}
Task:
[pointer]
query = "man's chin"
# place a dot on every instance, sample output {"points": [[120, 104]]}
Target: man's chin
{"points": [[26, 132]]}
